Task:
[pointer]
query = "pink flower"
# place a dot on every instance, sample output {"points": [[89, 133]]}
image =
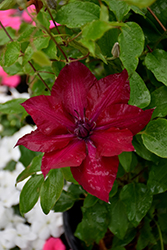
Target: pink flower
{"points": [[11, 81], [85, 124], [54, 244], [10, 18]]}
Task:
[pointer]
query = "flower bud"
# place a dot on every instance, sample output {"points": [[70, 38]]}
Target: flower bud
{"points": [[115, 50]]}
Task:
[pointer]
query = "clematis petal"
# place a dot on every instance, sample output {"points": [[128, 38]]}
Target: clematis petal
{"points": [[109, 90], [124, 116], [72, 155], [36, 141], [97, 174], [48, 115], [112, 141], [72, 85]]}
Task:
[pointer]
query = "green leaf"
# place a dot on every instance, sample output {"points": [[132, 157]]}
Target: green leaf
{"points": [[118, 248], [65, 202], [7, 4], [38, 44], [131, 42], [156, 62], [128, 160], [118, 219], [96, 29], [94, 223], [4, 39], [51, 190], [155, 137], [137, 199], [12, 53], [30, 193], [113, 190], [119, 8], [68, 175], [142, 151], [51, 50], [157, 181], [104, 15], [139, 94], [41, 58], [145, 236], [14, 69], [159, 8], [42, 17], [90, 200], [34, 167], [159, 102], [12, 107], [140, 3], [77, 14], [26, 155]]}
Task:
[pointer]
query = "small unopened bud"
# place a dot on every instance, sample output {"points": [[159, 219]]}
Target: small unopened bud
{"points": [[115, 50]]}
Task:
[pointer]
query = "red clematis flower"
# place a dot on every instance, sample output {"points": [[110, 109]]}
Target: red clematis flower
{"points": [[85, 124]]}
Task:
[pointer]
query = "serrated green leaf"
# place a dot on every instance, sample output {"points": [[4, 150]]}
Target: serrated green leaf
{"points": [[34, 167], [155, 137], [156, 62], [12, 106], [119, 8], [137, 199], [7, 4], [159, 102], [4, 39], [12, 53], [41, 58], [43, 19], [131, 42], [51, 190], [51, 50], [30, 193], [77, 14], [38, 44], [139, 94], [95, 221], [140, 3], [104, 15], [157, 181], [14, 69], [118, 219]]}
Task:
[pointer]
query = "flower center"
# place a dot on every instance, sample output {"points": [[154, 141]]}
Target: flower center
{"points": [[82, 129]]}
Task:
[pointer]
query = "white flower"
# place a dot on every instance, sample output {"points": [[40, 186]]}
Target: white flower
{"points": [[7, 238], [45, 225], [22, 235], [9, 219]]}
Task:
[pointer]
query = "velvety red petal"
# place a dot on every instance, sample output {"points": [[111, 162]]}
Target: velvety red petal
{"points": [[48, 115], [109, 90], [97, 174], [36, 141], [72, 155], [112, 141], [72, 84], [124, 116]]}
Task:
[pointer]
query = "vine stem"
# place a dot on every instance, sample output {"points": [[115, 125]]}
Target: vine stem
{"points": [[28, 61], [160, 235], [156, 18]]}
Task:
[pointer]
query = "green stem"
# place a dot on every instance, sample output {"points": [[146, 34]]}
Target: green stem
{"points": [[160, 236], [156, 18]]}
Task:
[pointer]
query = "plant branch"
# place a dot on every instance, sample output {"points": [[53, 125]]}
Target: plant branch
{"points": [[52, 18], [6, 32], [39, 75], [156, 18]]}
